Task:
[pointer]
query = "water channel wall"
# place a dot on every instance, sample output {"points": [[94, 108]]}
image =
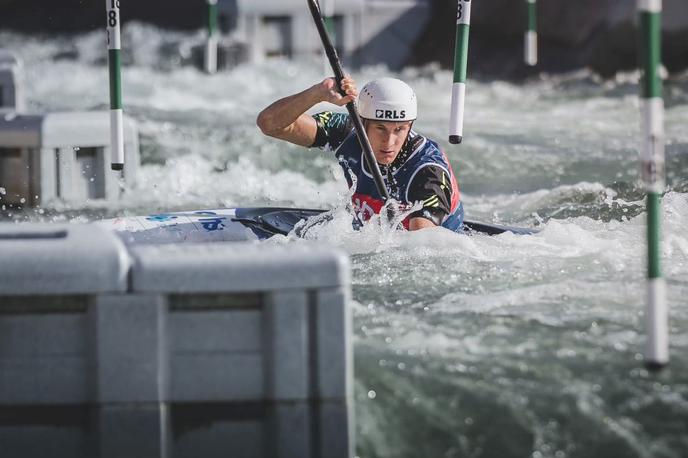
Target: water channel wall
{"points": [[600, 34], [597, 34]]}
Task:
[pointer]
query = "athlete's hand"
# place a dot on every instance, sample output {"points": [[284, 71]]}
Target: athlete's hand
{"points": [[331, 93]]}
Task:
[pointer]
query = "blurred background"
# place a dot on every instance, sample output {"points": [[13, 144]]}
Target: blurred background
{"points": [[464, 346], [599, 34]]}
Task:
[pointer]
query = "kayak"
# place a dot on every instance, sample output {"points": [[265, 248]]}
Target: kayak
{"points": [[239, 224]]}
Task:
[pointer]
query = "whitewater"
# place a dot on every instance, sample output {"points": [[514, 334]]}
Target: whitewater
{"points": [[465, 346]]}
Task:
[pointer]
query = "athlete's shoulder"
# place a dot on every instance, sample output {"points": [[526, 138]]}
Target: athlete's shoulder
{"points": [[332, 128], [414, 142], [332, 119], [431, 145], [427, 149], [418, 142]]}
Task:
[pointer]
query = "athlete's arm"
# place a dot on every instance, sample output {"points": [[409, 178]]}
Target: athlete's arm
{"points": [[416, 224], [432, 187], [286, 119]]}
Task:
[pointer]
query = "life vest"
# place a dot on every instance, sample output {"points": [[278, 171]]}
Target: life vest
{"points": [[367, 200]]}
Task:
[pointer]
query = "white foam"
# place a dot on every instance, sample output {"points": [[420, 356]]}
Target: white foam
{"points": [[533, 153]]}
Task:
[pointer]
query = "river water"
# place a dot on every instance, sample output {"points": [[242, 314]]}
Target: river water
{"points": [[477, 346]]}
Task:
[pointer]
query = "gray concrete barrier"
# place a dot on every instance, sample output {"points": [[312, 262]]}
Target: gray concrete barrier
{"points": [[62, 156], [230, 349], [11, 82]]}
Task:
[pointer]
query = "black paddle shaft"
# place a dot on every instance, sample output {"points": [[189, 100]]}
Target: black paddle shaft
{"points": [[339, 76]]}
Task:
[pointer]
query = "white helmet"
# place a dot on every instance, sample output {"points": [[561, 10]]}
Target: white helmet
{"points": [[387, 99]]}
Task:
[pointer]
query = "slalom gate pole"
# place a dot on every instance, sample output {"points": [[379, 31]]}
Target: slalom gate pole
{"points": [[653, 173], [210, 61], [531, 38], [353, 114], [463, 23], [114, 42], [328, 19]]}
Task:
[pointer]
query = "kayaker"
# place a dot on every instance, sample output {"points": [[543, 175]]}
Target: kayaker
{"points": [[414, 167]]}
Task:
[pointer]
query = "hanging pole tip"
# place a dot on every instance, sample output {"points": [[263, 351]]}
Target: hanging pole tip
{"points": [[654, 366], [117, 166], [458, 95]]}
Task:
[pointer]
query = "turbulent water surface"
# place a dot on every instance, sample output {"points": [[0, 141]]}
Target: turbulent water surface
{"points": [[464, 346]]}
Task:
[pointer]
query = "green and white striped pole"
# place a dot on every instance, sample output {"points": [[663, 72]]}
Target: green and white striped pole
{"points": [[531, 44], [114, 42], [328, 17], [653, 172], [463, 23], [327, 7], [212, 42]]}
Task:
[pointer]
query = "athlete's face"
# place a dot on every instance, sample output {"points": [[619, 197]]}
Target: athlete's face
{"points": [[387, 138]]}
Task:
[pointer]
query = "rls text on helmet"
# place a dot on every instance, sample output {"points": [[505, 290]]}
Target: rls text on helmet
{"points": [[390, 114], [387, 99]]}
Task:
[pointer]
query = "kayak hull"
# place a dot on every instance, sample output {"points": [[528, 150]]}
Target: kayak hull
{"points": [[237, 224]]}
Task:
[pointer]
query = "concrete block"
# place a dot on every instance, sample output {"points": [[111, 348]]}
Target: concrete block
{"points": [[220, 439], [219, 336], [229, 55], [16, 176], [366, 31], [62, 155], [43, 358], [334, 349], [285, 7], [11, 82], [236, 267], [290, 431], [7, 57], [335, 430], [221, 377], [138, 430], [215, 331], [28, 335], [249, 342], [130, 340], [219, 430], [60, 259], [287, 346], [38, 432], [40, 381]]}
